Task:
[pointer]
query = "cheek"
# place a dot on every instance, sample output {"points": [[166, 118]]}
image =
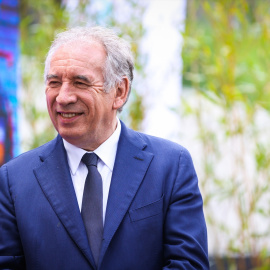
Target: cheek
{"points": [[48, 103], [50, 97]]}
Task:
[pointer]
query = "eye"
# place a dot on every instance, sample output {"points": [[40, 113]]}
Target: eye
{"points": [[54, 84], [80, 84]]}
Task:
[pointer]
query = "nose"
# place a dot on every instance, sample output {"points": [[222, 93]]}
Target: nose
{"points": [[66, 95]]}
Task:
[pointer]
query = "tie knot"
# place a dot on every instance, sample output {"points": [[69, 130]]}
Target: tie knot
{"points": [[90, 159]]}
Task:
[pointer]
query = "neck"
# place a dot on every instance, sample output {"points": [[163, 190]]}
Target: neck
{"points": [[98, 138]]}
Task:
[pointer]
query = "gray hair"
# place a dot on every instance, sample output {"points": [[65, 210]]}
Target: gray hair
{"points": [[119, 62]]}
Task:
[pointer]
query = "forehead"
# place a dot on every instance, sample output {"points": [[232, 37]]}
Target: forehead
{"points": [[76, 56]]}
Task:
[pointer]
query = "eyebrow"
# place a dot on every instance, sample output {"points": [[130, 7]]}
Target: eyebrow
{"points": [[51, 76], [82, 77]]}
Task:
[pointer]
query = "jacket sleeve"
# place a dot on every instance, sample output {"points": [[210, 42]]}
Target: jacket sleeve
{"points": [[11, 252], [185, 235]]}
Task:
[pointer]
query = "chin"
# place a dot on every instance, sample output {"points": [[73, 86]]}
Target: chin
{"points": [[69, 136]]}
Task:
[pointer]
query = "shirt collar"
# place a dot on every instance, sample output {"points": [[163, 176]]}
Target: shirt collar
{"points": [[106, 151]]}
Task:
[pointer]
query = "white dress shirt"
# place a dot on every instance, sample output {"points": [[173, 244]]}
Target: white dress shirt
{"points": [[78, 170]]}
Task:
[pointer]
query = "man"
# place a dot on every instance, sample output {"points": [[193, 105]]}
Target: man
{"points": [[145, 212]]}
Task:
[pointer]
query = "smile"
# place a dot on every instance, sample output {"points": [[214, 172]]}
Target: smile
{"points": [[69, 115]]}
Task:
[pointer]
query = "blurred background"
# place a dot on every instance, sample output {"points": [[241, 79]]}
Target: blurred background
{"points": [[201, 79]]}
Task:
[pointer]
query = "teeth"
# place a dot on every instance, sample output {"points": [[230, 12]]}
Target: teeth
{"points": [[68, 115]]}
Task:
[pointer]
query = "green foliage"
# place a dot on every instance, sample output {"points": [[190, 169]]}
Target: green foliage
{"points": [[226, 60], [227, 53], [40, 20]]}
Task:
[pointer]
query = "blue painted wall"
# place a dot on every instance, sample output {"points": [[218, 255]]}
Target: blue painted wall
{"points": [[9, 51]]}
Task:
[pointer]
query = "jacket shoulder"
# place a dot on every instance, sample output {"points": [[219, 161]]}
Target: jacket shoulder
{"points": [[30, 156], [157, 144]]}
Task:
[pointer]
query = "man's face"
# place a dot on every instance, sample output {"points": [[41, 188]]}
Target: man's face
{"points": [[80, 110]]}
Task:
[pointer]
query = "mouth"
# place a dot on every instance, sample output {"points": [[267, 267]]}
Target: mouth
{"points": [[68, 115]]}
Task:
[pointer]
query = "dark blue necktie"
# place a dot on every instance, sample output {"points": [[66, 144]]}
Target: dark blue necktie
{"points": [[92, 204]]}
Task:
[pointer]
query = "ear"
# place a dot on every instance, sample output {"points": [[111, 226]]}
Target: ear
{"points": [[121, 93]]}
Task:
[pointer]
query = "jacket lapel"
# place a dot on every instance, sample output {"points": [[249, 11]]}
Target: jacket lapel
{"points": [[54, 178], [131, 164]]}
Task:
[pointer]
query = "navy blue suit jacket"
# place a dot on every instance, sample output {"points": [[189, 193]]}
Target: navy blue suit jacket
{"points": [[154, 218]]}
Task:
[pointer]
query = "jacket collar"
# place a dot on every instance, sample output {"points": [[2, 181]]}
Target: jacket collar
{"points": [[54, 178], [131, 164]]}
